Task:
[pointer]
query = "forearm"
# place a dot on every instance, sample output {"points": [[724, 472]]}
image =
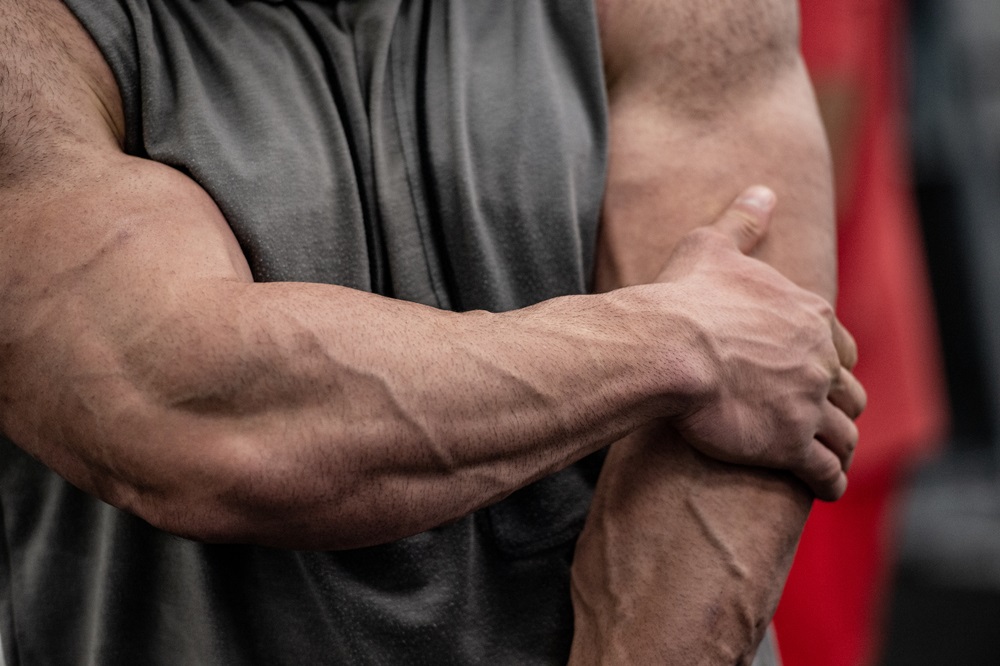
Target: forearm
{"points": [[364, 419], [313, 416], [151, 372], [683, 558]]}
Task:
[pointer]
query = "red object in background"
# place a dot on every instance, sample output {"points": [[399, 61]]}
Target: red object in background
{"points": [[832, 610]]}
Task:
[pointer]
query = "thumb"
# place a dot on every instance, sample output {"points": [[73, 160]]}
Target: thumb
{"points": [[746, 220]]}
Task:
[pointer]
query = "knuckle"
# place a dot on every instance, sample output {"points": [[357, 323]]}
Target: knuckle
{"points": [[853, 437], [849, 393], [823, 308], [850, 353], [846, 439], [801, 434], [860, 399], [834, 492], [828, 472], [818, 378], [813, 320], [746, 223]]}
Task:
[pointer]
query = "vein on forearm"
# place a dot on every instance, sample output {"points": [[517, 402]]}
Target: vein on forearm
{"points": [[714, 535]]}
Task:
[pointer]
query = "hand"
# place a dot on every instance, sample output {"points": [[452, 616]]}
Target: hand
{"points": [[776, 387]]}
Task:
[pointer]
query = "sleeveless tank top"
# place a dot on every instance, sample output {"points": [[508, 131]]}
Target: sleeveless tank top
{"points": [[446, 152]]}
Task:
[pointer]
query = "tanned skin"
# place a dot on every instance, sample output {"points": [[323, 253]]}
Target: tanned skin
{"points": [[683, 558], [140, 361]]}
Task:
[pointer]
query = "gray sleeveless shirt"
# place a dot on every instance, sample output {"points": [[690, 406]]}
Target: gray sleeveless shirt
{"points": [[445, 152]]}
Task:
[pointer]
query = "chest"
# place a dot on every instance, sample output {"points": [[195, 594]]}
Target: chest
{"points": [[435, 152]]}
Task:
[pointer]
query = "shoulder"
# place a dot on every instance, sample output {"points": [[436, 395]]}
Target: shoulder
{"points": [[56, 91], [692, 52]]}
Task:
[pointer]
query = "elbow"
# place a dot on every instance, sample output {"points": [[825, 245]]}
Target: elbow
{"points": [[201, 522], [206, 478], [198, 487], [176, 515], [237, 488]]}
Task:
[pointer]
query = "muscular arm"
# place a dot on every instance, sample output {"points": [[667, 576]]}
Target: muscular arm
{"points": [[683, 558], [140, 361]]}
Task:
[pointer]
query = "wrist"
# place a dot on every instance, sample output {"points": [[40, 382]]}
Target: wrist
{"points": [[672, 350]]}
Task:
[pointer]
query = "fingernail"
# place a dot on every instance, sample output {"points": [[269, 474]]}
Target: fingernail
{"points": [[759, 197]]}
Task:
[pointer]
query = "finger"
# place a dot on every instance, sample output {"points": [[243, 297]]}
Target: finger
{"points": [[838, 432], [848, 394], [847, 349], [820, 469], [746, 220]]}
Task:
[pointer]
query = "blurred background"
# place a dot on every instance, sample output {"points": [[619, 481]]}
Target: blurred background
{"points": [[906, 569], [946, 603]]}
